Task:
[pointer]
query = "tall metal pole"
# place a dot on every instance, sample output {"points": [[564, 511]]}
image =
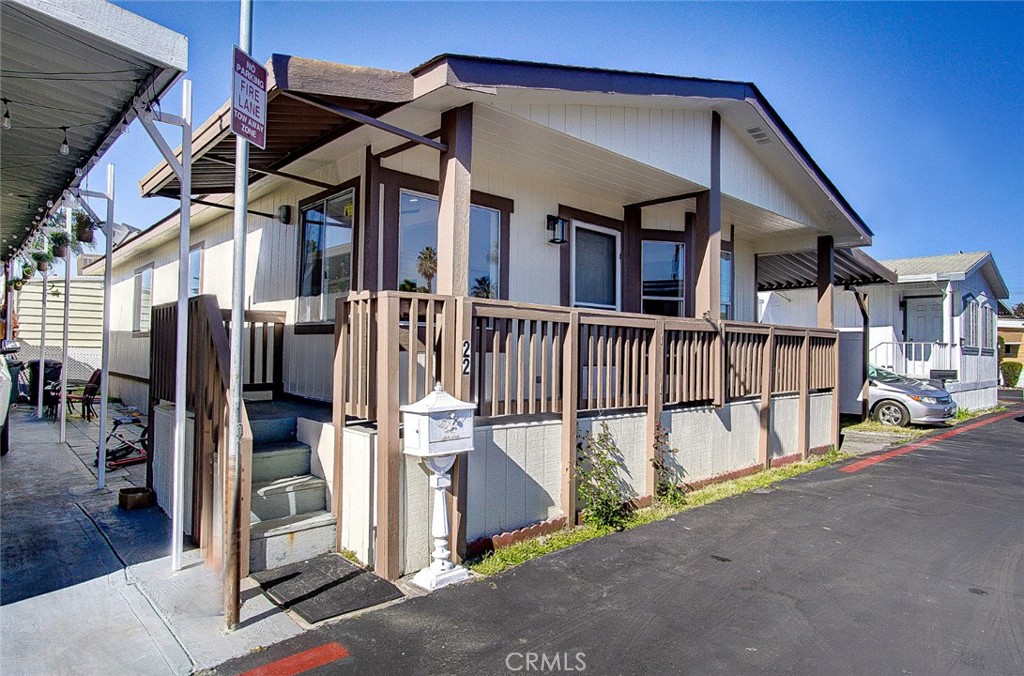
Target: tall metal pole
{"points": [[108, 235], [181, 353], [42, 354], [68, 259], [9, 318], [237, 320]]}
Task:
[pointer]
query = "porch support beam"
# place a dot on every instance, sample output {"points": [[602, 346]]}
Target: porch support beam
{"points": [[767, 377], [271, 172], [367, 120], [387, 563], [864, 303], [215, 205], [371, 223], [655, 403], [708, 234], [454, 202], [570, 400], [826, 282], [804, 384], [666, 200], [632, 244]]}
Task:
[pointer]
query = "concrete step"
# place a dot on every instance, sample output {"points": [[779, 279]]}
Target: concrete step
{"points": [[289, 496], [272, 429], [278, 542], [279, 460]]}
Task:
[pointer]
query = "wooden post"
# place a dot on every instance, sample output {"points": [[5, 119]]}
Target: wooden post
{"points": [[804, 376], [767, 376], [865, 314], [655, 398], [570, 401], [707, 239], [370, 246], [826, 282], [461, 315], [454, 202], [338, 406], [720, 366], [389, 444]]}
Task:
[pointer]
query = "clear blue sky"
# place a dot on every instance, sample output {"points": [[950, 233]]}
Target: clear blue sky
{"points": [[913, 110]]}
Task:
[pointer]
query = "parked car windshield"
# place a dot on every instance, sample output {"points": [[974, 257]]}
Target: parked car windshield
{"points": [[883, 376]]}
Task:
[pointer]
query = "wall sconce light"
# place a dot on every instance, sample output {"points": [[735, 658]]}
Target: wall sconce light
{"points": [[284, 214], [558, 227]]}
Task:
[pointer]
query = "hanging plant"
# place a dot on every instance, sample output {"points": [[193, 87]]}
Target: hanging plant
{"points": [[60, 240], [42, 259], [28, 271], [84, 227]]}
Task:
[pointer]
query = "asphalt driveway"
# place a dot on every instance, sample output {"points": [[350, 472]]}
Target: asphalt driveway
{"points": [[908, 565]]}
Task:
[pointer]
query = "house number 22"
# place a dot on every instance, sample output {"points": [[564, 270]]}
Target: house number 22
{"points": [[465, 357]]}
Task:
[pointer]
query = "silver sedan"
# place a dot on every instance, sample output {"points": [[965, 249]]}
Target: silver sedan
{"points": [[897, 400]]}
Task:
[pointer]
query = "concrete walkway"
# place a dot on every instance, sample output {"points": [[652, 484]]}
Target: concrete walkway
{"points": [[86, 588]]}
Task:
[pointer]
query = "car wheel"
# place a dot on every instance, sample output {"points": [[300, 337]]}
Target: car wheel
{"points": [[892, 413]]}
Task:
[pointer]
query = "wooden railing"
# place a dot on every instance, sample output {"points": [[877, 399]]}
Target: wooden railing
{"points": [[262, 350], [519, 359], [206, 389], [515, 355]]}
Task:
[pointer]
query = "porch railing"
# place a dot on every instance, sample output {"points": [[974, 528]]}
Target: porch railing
{"points": [[206, 389], [913, 359], [518, 359]]}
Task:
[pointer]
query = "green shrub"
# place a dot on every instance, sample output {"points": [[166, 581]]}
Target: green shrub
{"points": [[1011, 372], [599, 489], [668, 484]]}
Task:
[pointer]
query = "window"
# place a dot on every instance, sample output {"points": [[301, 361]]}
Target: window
{"points": [[325, 256], [595, 274], [417, 246], [987, 331], [195, 271], [969, 322], [143, 302], [663, 267], [725, 285]]}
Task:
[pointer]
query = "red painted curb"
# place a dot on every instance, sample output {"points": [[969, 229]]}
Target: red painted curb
{"points": [[903, 450], [301, 662]]}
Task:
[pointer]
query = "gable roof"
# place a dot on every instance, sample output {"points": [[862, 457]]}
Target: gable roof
{"points": [[950, 266]]}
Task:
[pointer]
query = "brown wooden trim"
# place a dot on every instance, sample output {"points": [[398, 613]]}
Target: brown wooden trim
{"points": [[454, 201], [314, 329], [129, 376], [765, 413], [655, 403], [665, 200], [371, 224], [826, 281], [565, 260], [408, 145], [570, 402], [351, 184], [330, 192], [394, 182], [632, 259], [656, 235], [387, 563]]}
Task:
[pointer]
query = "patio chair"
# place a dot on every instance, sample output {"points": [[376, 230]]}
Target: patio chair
{"points": [[87, 397]]}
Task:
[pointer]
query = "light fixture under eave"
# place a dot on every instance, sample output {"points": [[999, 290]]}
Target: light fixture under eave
{"points": [[64, 147], [558, 227]]}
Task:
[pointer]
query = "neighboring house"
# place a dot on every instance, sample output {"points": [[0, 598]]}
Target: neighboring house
{"points": [[1011, 330], [938, 321], [85, 326], [564, 247]]}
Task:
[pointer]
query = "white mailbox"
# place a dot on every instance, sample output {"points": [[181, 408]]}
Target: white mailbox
{"points": [[438, 424]]}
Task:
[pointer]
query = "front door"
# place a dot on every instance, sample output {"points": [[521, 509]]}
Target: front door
{"points": [[924, 320]]}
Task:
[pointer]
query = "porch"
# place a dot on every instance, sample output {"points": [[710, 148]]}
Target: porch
{"points": [[732, 397]]}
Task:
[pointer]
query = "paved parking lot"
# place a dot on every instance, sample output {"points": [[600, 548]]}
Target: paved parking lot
{"points": [[908, 565]]}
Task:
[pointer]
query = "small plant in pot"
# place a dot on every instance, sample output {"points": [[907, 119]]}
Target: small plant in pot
{"points": [[84, 227], [28, 271], [43, 260], [16, 284], [60, 240]]}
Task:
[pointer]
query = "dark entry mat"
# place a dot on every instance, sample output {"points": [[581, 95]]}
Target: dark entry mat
{"points": [[324, 587]]}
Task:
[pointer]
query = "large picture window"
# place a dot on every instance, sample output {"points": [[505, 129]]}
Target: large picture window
{"points": [[664, 278], [417, 246], [143, 302], [325, 256]]}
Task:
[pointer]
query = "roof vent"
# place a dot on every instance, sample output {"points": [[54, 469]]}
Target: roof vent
{"points": [[759, 135]]}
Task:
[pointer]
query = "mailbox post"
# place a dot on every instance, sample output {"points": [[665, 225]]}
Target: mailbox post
{"points": [[437, 427]]}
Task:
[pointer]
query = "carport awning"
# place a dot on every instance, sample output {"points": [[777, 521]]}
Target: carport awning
{"points": [[74, 66], [799, 270], [294, 128]]}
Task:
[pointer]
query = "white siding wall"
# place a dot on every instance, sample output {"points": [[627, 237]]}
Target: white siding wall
{"points": [[746, 177], [629, 431], [820, 420], [675, 141], [710, 441]]}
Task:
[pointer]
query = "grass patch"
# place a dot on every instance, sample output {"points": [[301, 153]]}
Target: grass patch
{"points": [[508, 557], [877, 427], [964, 414]]}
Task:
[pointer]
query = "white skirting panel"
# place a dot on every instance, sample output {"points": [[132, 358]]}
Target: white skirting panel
{"points": [[785, 421], [978, 397], [162, 441], [713, 441], [820, 420], [630, 434], [358, 502]]}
